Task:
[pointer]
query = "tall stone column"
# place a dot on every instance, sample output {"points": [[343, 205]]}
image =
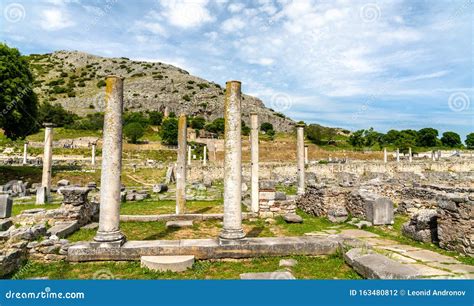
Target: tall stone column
{"points": [[181, 166], [433, 156], [410, 158], [189, 155], [93, 154], [232, 228], [25, 153], [385, 157], [166, 112], [398, 155], [204, 156], [43, 194], [300, 157], [109, 221], [306, 159], [254, 160]]}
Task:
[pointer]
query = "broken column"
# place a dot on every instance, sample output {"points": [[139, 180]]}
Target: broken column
{"points": [[6, 204], [305, 155], [385, 157], [166, 112], [254, 160], [109, 221], [181, 166], [93, 154], [204, 156], [43, 193], [398, 155], [300, 157], [232, 228], [410, 157], [25, 153]]}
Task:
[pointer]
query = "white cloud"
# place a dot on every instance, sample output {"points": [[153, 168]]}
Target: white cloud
{"points": [[236, 7], [55, 19], [186, 13], [152, 27], [232, 24]]}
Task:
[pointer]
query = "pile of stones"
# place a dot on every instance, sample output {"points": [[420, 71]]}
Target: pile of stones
{"points": [[422, 226]]}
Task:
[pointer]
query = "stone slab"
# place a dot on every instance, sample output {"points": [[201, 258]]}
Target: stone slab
{"points": [[426, 271], [288, 263], [376, 266], [354, 233], [63, 229], [206, 248], [167, 263], [179, 223], [399, 248], [456, 268], [430, 256], [278, 275], [401, 258]]}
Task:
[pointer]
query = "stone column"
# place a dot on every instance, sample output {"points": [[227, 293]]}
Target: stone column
{"points": [[385, 157], [110, 185], [166, 113], [232, 228], [300, 157], [93, 154], [398, 155], [25, 153], [433, 156], [410, 158], [189, 155], [181, 166], [43, 194], [254, 160], [306, 155], [204, 156], [439, 155]]}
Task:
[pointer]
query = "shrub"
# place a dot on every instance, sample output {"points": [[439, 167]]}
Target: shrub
{"points": [[133, 131], [169, 131]]}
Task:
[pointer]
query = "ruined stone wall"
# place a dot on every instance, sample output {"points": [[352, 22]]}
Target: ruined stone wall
{"points": [[456, 223]]}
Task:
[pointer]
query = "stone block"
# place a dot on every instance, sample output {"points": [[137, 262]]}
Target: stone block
{"points": [[63, 183], [179, 223], [266, 195], [280, 196], [5, 224], [41, 195], [75, 196], [292, 218], [6, 203], [159, 188], [288, 263], [63, 229], [337, 214], [278, 275], [167, 263], [267, 185], [379, 211]]}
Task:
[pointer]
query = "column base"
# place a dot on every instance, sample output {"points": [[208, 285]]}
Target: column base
{"points": [[232, 234], [109, 239], [300, 191]]}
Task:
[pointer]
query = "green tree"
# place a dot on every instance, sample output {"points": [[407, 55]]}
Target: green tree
{"points": [[133, 131], [427, 137], [451, 139], [217, 126], [470, 141], [406, 139], [198, 123], [169, 131], [18, 102], [356, 139], [266, 126], [56, 114], [155, 117], [245, 129], [139, 117]]}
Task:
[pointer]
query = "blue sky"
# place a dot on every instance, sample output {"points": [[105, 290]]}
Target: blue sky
{"points": [[345, 63]]}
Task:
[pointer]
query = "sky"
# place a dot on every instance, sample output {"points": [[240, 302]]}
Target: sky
{"points": [[343, 63]]}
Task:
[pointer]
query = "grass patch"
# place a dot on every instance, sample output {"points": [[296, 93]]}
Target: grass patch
{"points": [[154, 207], [323, 267], [17, 209]]}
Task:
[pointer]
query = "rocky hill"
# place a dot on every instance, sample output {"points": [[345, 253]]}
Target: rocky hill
{"points": [[76, 80]]}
